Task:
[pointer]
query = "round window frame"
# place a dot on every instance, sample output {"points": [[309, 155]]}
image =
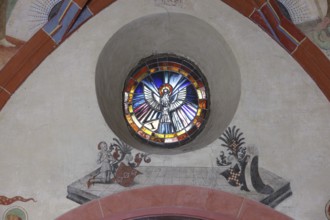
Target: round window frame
{"points": [[190, 67]]}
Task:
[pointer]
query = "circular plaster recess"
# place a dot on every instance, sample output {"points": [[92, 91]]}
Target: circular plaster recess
{"points": [[173, 33]]}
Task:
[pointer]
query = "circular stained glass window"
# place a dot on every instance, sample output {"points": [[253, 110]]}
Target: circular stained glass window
{"points": [[166, 100]]}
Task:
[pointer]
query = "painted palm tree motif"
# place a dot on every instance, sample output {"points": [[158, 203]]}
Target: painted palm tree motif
{"points": [[241, 162]]}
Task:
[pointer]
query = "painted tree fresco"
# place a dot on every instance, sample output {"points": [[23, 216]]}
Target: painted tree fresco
{"points": [[237, 158]]}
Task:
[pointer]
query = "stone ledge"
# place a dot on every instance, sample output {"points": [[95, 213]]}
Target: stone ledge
{"points": [[208, 177]]}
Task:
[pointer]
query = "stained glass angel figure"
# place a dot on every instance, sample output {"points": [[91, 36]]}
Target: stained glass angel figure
{"points": [[165, 101]]}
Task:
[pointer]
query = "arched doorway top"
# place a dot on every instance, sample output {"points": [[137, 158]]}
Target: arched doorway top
{"points": [[176, 200]]}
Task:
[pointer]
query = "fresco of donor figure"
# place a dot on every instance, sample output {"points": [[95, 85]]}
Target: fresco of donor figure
{"points": [[3, 21]]}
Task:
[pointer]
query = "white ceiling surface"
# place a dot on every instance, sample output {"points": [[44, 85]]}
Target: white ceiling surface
{"points": [[51, 126]]}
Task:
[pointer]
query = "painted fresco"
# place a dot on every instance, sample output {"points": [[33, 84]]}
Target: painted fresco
{"points": [[8, 45], [5, 9], [237, 172], [317, 29], [320, 33], [119, 170], [166, 100], [7, 201], [117, 164], [15, 213], [14, 27]]}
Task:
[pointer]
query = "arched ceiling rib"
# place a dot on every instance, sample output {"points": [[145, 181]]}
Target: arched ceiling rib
{"points": [[264, 13]]}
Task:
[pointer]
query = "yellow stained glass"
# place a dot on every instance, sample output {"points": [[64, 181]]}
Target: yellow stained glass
{"points": [[151, 94], [199, 111], [199, 94], [130, 108], [181, 132], [132, 89], [160, 135], [183, 72], [169, 135], [130, 97], [146, 130]]}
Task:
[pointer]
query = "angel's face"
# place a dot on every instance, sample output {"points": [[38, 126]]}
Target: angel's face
{"points": [[166, 91]]}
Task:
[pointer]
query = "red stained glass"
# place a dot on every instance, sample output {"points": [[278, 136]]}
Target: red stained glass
{"points": [[163, 97]]}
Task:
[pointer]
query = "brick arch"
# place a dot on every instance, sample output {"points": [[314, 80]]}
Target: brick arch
{"points": [[176, 200], [265, 13]]}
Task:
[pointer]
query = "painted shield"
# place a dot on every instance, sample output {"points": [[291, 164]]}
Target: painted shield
{"points": [[125, 175]]}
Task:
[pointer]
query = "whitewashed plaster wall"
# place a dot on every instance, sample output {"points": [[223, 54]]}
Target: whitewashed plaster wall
{"points": [[51, 126]]}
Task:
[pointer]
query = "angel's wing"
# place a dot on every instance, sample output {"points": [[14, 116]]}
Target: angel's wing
{"points": [[152, 99], [178, 99]]}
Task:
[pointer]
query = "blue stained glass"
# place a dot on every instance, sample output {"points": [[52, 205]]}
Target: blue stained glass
{"points": [[150, 84], [166, 128], [136, 104], [158, 79], [183, 82], [192, 94], [166, 76], [139, 88], [175, 78], [189, 111], [166, 103], [138, 99]]}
